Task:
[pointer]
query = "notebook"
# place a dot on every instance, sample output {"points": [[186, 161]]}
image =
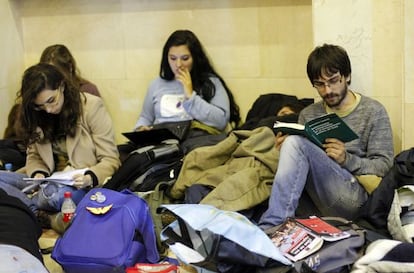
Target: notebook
{"points": [[160, 132]]}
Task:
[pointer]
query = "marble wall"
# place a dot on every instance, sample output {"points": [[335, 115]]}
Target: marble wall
{"points": [[11, 56], [373, 34], [407, 104], [258, 46]]}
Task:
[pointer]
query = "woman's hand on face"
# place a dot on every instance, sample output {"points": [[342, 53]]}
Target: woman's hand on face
{"points": [[82, 181], [183, 75]]}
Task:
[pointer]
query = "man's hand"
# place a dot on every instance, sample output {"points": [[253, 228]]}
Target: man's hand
{"points": [[279, 138], [335, 149]]}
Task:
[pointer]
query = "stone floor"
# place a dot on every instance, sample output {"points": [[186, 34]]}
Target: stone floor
{"points": [[47, 240]]}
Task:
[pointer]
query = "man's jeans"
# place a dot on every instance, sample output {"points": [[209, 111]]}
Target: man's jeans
{"points": [[49, 197], [304, 166]]}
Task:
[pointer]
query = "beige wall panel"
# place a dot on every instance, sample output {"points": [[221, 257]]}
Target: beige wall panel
{"points": [[118, 44], [388, 64], [11, 56], [122, 102], [286, 38], [393, 106], [408, 128], [95, 40], [408, 113]]}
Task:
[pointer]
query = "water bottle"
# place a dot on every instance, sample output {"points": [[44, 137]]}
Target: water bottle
{"points": [[68, 208], [8, 167]]}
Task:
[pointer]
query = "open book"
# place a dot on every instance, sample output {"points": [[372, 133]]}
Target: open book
{"points": [[319, 129], [63, 177], [299, 238]]}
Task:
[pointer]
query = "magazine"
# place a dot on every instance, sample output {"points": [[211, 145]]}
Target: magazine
{"points": [[294, 241], [299, 238], [319, 129]]}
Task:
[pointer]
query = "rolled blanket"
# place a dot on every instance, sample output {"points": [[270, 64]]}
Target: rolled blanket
{"points": [[386, 255]]}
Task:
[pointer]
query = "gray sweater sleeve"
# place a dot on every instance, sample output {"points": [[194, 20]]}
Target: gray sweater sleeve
{"points": [[373, 152], [215, 113]]}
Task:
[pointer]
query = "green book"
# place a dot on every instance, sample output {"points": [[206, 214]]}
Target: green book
{"points": [[319, 129]]}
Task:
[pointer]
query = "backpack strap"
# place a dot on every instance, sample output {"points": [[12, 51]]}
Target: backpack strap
{"points": [[173, 237], [154, 201], [345, 224]]}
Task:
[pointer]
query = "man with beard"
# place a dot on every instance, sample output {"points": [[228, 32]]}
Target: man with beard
{"points": [[337, 179]]}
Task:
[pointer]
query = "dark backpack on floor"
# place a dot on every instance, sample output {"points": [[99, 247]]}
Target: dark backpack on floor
{"points": [[12, 152], [376, 209], [147, 166]]}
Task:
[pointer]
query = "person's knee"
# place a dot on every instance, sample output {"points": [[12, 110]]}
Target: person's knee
{"points": [[295, 140], [293, 143]]}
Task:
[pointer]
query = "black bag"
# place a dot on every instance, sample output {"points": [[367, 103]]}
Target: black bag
{"points": [[376, 209], [158, 172], [12, 151], [18, 225], [136, 174]]}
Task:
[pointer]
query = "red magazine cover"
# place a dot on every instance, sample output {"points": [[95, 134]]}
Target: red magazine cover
{"points": [[320, 227]]}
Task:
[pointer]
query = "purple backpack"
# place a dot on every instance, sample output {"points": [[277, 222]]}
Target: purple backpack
{"points": [[110, 231]]}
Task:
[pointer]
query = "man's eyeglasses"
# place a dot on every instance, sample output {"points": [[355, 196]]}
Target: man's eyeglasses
{"points": [[52, 101], [329, 83]]}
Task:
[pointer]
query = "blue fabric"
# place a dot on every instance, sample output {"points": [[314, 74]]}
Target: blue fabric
{"points": [[305, 166], [49, 197], [10, 181]]}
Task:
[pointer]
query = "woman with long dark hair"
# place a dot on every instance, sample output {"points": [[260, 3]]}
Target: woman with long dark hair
{"points": [[65, 130], [188, 88]]}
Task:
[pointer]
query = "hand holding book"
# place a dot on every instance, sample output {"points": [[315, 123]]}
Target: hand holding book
{"points": [[319, 129]]}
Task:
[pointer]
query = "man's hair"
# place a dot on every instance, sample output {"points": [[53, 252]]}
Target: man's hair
{"points": [[328, 59]]}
